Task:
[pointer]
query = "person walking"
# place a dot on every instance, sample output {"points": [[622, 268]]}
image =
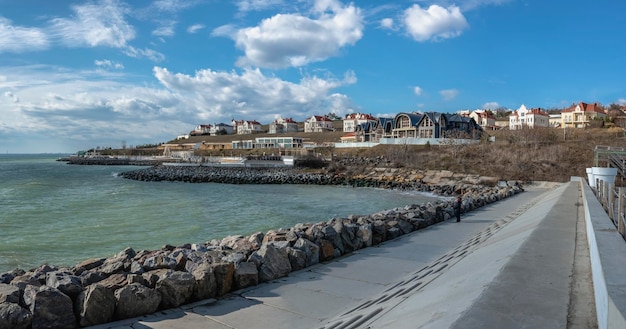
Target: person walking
{"points": [[457, 209]]}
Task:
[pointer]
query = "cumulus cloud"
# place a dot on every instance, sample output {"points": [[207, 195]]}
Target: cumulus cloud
{"points": [[417, 90], [621, 101], [195, 28], [434, 23], [292, 40], [96, 24], [449, 94], [16, 39], [252, 95], [491, 106]]}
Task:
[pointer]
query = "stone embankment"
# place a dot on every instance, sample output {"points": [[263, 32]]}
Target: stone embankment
{"points": [[134, 283], [105, 161]]}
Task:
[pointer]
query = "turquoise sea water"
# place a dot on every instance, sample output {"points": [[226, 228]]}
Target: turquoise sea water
{"points": [[60, 214]]}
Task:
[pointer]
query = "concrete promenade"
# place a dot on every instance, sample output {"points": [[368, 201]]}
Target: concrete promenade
{"points": [[519, 263]]}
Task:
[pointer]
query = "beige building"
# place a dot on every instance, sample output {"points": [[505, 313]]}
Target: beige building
{"points": [[580, 115]]}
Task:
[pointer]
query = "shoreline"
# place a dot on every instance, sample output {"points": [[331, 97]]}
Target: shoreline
{"points": [[102, 290]]}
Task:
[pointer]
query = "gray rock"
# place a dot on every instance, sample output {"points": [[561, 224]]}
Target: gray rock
{"points": [[13, 316], [274, 262], [9, 293], [224, 275], [246, 275], [297, 258], [311, 250], [134, 300], [176, 288], [158, 262], [366, 235], [67, 283], [95, 305], [52, 309], [206, 284], [87, 265]]}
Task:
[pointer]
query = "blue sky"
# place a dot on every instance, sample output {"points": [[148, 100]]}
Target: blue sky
{"points": [[80, 74]]}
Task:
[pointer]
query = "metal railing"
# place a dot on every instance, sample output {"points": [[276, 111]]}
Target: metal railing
{"points": [[613, 200]]}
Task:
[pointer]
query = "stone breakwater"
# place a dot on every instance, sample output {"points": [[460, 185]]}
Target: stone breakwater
{"points": [[134, 283]]}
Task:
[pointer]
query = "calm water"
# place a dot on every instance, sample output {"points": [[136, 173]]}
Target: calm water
{"points": [[55, 213]]}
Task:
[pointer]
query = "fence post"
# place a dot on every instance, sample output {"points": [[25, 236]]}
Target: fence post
{"points": [[620, 211], [610, 202]]}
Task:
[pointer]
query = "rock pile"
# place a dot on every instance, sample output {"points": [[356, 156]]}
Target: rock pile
{"points": [[134, 283]]}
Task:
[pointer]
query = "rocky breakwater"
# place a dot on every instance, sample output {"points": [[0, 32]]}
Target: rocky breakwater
{"points": [[134, 283]]}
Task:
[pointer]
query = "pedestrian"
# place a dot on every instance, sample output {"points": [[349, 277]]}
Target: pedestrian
{"points": [[457, 209]]}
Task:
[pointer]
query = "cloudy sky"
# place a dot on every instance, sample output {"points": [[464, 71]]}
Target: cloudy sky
{"points": [[80, 74]]}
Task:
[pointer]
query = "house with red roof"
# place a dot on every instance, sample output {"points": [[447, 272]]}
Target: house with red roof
{"points": [[281, 126], [483, 118], [352, 120], [317, 123], [581, 115], [525, 118], [245, 127]]}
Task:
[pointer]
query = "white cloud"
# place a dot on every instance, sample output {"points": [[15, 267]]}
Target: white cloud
{"points": [[434, 23], [173, 6], [621, 101], [387, 23], [94, 25], [449, 94], [153, 55], [417, 90], [255, 5], [166, 29], [291, 40], [252, 95], [195, 28], [491, 106], [108, 64], [16, 39]]}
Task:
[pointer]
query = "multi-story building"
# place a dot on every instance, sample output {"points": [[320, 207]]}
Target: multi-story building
{"points": [[580, 115], [282, 126], [352, 120], [317, 123], [525, 118]]}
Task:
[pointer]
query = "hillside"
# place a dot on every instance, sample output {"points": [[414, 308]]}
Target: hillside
{"points": [[537, 154]]}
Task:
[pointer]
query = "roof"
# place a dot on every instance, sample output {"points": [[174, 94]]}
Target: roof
{"points": [[321, 118], [585, 107]]}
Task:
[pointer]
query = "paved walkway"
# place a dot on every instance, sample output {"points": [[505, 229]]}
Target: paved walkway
{"points": [[506, 265]]}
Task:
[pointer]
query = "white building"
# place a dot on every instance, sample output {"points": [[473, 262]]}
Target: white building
{"points": [[244, 127], [282, 126], [352, 120], [317, 123], [532, 118]]}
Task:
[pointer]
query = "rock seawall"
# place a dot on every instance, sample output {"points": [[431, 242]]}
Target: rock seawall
{"points": [[134, 283]]}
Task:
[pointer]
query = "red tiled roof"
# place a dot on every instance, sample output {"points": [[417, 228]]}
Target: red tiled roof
{"points": [[585, 107]]}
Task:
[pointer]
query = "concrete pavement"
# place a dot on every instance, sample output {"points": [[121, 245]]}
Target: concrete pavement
{"points": [[506, 265]]}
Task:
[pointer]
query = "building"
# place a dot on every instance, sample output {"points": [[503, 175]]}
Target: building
{"points": [[282, 126], [269, 142], [433, 125], [352, 120], [221, 129], [316, 124], [483, 118], [581, 115], [525, 118], [244, 127], [201, 130]]}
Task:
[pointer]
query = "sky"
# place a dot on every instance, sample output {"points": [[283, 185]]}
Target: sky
{"points": [[76, 75]]}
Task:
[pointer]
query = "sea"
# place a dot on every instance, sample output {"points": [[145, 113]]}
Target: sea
{"points": [[60, 214]]}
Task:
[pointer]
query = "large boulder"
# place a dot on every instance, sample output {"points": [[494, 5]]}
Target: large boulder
{"points": [[311, 251], [52, 309], [274, 262], [134, 300], [176, 288], [13, 316], [246, 275], [9, 293], [95, 305], [67, 283], [206, 284], [224, 274]]}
